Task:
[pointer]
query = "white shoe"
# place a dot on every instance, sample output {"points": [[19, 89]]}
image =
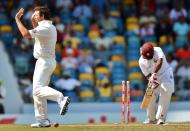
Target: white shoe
{"points": [[160, 122], [41, 124], [150, 121], [64, 105]]}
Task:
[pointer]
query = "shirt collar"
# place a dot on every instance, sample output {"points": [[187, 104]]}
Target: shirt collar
{"points": [[44, 21]]}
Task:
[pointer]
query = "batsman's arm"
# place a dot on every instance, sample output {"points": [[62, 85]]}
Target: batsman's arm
{"points": [[158, 65], [144, 71], [25, 33], [148, 76]]}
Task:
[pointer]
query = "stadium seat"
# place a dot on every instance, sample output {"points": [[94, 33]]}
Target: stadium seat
{"points": [[119, 39], [93, 35], [114, 13], [115, 58], [105, 94], [133, 57], [87, 96], [132, 20], [134, 63], [133, 42], [116, 81], [6, 28], [117, 88], [77, 28], [80, 35], [132, 27], [136, 75], [57, 70], [118, 64], [116, 50], [133, 69], [102, 70], [86, 76]]}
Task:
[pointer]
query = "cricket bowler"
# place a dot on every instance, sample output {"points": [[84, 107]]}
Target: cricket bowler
{"points": [[45, 35], [155, 68]]}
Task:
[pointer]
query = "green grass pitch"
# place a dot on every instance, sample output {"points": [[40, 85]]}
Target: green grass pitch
{"points": [[101, 127]]}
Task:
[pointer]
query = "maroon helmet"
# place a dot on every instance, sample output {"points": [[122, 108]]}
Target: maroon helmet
{"points": [[147, 51]]}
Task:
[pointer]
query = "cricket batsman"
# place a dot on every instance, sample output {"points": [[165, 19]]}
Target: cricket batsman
{"points": [[155, 68], [45, 35]]}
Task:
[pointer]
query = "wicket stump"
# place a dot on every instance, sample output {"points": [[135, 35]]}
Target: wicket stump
{"points": [[126, 101]]}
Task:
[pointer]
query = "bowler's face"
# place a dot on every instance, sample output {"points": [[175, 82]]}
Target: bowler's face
{"points": [[36, 16]]}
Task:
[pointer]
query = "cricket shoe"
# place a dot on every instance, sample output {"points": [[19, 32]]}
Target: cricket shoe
{"points": [[64, 105], [41, 124], [150, 121], [161, 122]]}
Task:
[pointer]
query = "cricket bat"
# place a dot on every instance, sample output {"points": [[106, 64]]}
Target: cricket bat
{"points": [[148, 95]]}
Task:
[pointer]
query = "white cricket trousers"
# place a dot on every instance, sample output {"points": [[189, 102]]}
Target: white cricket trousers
{"points": [[41, 91], [164, 93]]}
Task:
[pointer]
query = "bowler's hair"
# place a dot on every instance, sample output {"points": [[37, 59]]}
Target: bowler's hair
{"points": [[43, 11]]}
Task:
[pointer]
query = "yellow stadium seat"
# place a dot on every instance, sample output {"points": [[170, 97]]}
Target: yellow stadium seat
{"points": [[154, 44], [128, 2], [93, 34], [101, 82], [117, 99], [58, 47], [6, 28], [105, 92], [115, 13], [131, 27], [86, 51], [119, 39], [117, 88], [74, 40], [133, 76], [102, 70], [98, 83], [132, 20], [105, 81], [163, 40], [86, 93], [171, 39], [77, 28], [133, 64], [175, 98], [86, 76], [117, 58], [57, 70]]}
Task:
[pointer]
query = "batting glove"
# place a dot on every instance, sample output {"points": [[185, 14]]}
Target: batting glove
{"points": [[153, 80], [153, 84], [153, 77]]}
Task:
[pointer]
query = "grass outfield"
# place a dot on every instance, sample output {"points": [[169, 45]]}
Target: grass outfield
{"points": [[101, 127]]}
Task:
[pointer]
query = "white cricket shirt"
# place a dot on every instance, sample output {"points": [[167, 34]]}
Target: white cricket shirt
{"points": [[147, 66], [45, 35]]}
